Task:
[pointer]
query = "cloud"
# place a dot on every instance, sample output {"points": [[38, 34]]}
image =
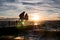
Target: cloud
{"points": [[57, 1], [46, 8], [54, 16]]}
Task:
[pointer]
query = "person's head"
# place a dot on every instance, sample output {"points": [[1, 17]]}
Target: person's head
{"points": [[23, 12]]}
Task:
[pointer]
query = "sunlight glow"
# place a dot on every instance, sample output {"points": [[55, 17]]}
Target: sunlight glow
{"points": [[19, 38], [35, 17], [35, 23]]}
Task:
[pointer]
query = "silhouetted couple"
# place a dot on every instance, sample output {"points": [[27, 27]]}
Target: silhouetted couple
{"points": [[23, 16]]}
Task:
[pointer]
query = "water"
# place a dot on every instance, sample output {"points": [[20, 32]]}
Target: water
{"points": [[33, 35]]}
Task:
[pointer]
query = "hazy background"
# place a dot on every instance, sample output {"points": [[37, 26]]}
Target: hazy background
{"points": [[48, 9]]}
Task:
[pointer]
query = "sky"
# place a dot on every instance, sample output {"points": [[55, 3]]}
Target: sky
{"points": [[47, 9]]}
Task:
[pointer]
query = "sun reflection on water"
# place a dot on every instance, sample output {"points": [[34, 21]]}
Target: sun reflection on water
{"points": [[35, 23]]}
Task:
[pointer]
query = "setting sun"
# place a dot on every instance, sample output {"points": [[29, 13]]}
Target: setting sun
{"points": [[35, 17]]}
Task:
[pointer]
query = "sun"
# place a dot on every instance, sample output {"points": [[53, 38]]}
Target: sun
{"points": [[35, 17]]}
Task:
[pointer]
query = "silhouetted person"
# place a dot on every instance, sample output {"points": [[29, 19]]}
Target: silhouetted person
{"points": [[21, 16], [26, 16]]}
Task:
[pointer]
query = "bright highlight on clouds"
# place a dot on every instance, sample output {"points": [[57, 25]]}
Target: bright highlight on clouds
{"points": [[48, 9]]}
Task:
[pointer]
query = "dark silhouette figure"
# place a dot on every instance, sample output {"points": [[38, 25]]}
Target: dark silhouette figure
{"points": [[21, 16], [26, 16]]}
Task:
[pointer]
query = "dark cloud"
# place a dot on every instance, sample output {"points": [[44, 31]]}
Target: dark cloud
{"points": [[7, 0], [5, 8], [57, 1], [4, 1], [26, 3]]}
